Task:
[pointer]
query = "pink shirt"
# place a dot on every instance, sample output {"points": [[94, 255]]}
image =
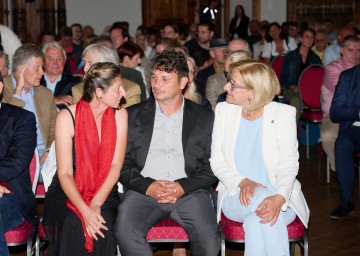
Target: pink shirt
{"points": [[330, 80]]}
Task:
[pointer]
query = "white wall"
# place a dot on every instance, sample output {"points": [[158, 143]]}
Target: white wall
{"points": [[273, 10], [98, 14]]}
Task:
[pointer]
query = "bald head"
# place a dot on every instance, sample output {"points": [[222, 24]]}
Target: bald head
{"points": [[344, 32], [238, 44]]}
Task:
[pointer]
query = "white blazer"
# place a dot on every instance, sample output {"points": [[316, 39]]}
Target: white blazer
{"points": [[280, 153]]}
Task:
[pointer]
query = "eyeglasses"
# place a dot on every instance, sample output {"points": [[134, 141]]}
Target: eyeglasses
{"points": [[51, 59], [235, 86], [232, 83]]}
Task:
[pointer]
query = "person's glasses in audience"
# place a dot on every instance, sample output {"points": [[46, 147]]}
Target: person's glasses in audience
{"points": [[232, 83], [52, 60]]}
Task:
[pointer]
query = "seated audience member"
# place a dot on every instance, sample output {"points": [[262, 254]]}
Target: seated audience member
{"points": [[81, 204], [9, 43], [119, 35], [190, 92], [77, 33], [54, 77], [95, 53], [88, 31], [259, 46], [255, 36], [345, 108], [73, 51], [130, 55], [141, 40], [254, 153], [320, 43], [238, 44], [277, 43], [47, 36], [293, 31], [170, 31], [18, 142], [217, 53], [4, 64], [159, 188], [332, 52], [205, 32], [295, 62], [28, 67], [215, 84], [350, 52]]}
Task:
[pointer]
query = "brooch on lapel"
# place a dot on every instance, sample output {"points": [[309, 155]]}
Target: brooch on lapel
{"points": [[272, 121]]}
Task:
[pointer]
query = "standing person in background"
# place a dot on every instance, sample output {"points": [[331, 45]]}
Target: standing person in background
{"points": [[239, 24], [81, 204]]}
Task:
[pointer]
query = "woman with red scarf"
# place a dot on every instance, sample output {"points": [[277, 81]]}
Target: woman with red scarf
{"points": [[81, 204]]}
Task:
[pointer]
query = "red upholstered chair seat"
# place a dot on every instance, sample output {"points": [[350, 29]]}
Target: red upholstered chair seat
{"points": [[40, 190], [234, 230], [166, 230], [41, 232], [20, 234]]}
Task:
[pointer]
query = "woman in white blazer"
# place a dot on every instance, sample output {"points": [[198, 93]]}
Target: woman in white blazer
{"points": [[255, 155]]}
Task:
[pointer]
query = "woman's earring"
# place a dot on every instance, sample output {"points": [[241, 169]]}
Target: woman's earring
{"points": [[248, 112]]}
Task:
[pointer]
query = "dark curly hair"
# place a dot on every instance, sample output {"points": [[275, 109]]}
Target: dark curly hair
{"points": [[171, 61]]}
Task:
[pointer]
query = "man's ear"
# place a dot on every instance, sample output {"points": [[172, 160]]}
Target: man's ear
{"points": [[183, 82]]}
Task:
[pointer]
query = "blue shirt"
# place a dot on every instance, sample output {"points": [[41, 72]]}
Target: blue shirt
{"points": [[28, 98], [51, 85], [248, 155]]}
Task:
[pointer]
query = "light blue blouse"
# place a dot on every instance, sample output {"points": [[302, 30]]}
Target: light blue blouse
{"points": [[248, 155]]}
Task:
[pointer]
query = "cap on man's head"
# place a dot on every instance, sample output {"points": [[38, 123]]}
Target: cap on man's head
{"points": [[218, 43]]}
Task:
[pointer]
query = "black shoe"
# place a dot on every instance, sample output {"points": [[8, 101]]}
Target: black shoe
{"points": [[343, 210]]}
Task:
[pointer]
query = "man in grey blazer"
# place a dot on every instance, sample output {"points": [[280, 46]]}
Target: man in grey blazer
{"points": [[166, 171]]}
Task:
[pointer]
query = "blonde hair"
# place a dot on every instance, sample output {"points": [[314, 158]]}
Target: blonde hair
{"points": [[191, 88], [238, 56], [260, 79]]}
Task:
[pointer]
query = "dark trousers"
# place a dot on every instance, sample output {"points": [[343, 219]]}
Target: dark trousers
{"points": [[10, 217], [347, 144], [194, 212]]}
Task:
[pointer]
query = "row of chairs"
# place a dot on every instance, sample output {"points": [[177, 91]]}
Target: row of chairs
{"points": [[166, 230]]}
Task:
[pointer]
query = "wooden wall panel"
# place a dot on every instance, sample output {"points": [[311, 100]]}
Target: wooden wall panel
{"points": [[341, 11]]}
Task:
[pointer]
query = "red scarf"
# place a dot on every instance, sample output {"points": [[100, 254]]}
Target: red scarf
{"points": [[93, 159]]}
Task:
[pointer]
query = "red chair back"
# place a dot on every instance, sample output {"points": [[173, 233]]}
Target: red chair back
{"points": [[277, 65], [309, 85]]}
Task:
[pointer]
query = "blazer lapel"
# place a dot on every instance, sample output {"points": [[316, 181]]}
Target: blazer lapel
{"points": [[147, 119], [188, 121], [269, 135]]}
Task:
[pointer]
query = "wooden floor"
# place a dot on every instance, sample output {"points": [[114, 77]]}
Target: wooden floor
{"points": [[326, 236]]}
